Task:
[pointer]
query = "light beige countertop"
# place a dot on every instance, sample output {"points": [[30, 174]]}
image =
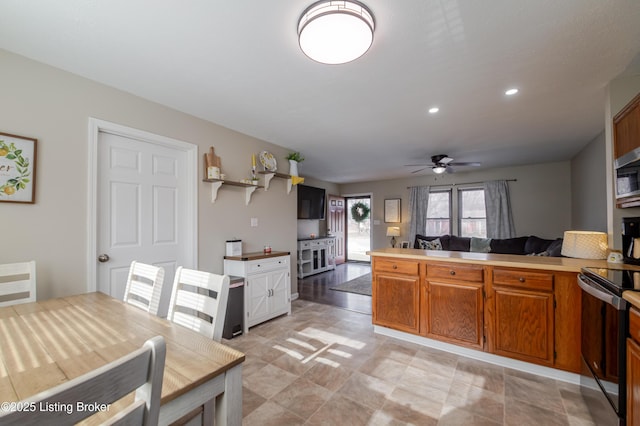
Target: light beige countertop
{"points": [[564, 264], [632, 297]]}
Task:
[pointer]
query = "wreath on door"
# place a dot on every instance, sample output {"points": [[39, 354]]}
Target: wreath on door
{"points": [[360, 211]]}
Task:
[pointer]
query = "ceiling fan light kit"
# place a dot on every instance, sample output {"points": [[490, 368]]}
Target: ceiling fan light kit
{"points": [[336, 32]]}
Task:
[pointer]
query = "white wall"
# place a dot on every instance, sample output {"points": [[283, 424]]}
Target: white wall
{"points": [[541, 197], [54, 106]]}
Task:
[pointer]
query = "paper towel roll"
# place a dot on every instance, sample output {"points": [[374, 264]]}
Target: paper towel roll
{"points": [[636, 248]]}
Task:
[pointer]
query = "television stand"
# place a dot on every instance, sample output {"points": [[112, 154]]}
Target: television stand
{"points": [[315, 255]]}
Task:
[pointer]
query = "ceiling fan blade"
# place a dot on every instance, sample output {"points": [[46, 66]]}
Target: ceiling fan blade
{"points": [[417, 165], [473, 164], [419, 170], [446, 160]]}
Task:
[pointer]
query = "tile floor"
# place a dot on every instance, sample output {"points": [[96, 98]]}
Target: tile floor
{"points": [[323, 365]]}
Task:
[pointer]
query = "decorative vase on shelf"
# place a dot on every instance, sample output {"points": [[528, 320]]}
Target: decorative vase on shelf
{"points": [[293, 167]]}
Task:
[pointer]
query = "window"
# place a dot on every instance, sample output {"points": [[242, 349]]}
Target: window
{"points": [[472, 213], [439, 213]]}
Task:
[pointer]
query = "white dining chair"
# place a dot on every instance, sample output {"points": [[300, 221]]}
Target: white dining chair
{"points": [[140, 371], [17, 283], [193, 304], [144, 286]]}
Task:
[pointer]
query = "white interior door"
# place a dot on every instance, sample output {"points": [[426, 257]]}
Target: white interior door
{"points": [[142, 211]]}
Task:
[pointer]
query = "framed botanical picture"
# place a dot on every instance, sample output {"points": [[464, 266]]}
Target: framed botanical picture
{"points": [[392, 210], [17, 169]]}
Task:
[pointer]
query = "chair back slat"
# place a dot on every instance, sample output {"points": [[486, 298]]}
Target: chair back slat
{"points": [[144, 286], [199, 301], [17, 283], [139, 371]]}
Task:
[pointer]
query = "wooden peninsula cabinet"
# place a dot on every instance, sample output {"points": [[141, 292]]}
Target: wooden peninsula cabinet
{"points": [[633, 368], [396, 294], [525, 308], [454, 303], [522, 320]]}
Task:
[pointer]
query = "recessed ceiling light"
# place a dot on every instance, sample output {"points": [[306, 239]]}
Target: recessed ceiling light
{"points": [[511, 92], [433, 110]]}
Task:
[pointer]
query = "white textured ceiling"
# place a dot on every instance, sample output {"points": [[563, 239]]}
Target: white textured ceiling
{"points": [[237, 63]]}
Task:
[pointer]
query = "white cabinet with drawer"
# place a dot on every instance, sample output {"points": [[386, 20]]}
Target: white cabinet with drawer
{"points": [[315, 256], [267, 290]]}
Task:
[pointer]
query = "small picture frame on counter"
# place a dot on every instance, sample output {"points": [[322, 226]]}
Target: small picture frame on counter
{"points": [[405, 244]]}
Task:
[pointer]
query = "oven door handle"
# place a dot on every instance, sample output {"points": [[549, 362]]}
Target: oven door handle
{"points": [[595, 290]]}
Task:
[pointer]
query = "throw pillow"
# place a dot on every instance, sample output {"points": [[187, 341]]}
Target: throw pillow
{"points": [[431, 245], [555, 248], [480, 245]]}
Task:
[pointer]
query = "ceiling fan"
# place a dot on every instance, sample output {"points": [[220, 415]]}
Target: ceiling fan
{"points": [[442, 163]]}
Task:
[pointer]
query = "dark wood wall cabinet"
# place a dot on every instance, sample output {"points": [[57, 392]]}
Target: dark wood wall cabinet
{"points": [[526, 314], [626, 128], [626, 138]]}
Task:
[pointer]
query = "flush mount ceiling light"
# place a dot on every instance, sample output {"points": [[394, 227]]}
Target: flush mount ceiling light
{"points": [[335, 32]]}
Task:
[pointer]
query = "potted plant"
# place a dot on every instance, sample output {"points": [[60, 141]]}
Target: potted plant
{"points": [[294, 158]]}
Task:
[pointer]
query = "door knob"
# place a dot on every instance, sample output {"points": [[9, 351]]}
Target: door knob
{"points": [[103, 258]]}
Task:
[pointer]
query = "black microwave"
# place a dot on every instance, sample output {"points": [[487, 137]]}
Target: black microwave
{"points": [[628, 174]]}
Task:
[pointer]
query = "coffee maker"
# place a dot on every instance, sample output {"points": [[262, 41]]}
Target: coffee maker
{"points": [[631, 240]]}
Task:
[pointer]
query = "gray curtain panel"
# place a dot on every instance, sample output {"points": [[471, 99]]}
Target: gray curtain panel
{"points": [[498, 205], [418, 203]]}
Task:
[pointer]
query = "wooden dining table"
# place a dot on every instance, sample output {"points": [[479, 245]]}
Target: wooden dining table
{"points": [[46, 343]]}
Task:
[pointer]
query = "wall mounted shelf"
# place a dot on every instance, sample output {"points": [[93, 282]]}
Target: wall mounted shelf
{"points": [[290, 179], [217, 183]]}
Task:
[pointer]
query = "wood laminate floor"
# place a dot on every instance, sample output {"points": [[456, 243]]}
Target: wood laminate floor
{"points": [[315, 288]]}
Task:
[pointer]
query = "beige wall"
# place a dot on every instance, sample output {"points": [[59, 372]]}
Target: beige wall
{"points": [[589, 187], [54, 106], [312, 226], [541, 197], [620, 92]]}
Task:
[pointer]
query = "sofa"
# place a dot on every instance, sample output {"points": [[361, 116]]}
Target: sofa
{"points": [[530, 245]]}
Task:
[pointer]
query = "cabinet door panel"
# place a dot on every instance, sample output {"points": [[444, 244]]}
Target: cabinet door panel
{"points": [[524, 325], [396, 302], [258, 308], [279, 300], [633, 383], [456, 313]]}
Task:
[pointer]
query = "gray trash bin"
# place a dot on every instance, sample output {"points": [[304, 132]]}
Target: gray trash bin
{"points": [[234, 320]]}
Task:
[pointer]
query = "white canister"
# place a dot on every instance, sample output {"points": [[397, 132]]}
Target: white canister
{"points": [[234, 247]]}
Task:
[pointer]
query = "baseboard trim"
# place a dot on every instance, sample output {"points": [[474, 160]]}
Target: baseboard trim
{"points": [[527, 367], [294, 296]]}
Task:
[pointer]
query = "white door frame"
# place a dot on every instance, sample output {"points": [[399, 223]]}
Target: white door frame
{"points": [[191, 221]]}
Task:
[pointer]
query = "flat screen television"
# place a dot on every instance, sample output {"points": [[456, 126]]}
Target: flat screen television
{"points": [[310, 202]]}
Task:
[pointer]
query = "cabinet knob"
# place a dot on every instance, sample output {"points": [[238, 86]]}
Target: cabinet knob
{"points": [[395, 266], [452, 272], [521, 279]]}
